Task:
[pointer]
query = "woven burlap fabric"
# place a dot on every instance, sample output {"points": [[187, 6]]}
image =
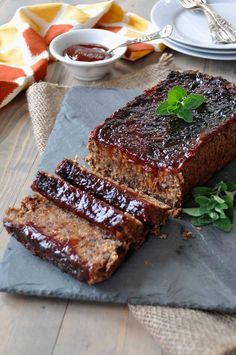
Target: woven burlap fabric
{"points": [[178, 331]]}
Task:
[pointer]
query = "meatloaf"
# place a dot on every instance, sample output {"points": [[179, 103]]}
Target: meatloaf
{"points": [[142, 207], [164, 156], [85, 205], [84, 251]]}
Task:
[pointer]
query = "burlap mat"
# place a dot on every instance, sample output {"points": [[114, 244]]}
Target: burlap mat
{"points": [[178, 331]]}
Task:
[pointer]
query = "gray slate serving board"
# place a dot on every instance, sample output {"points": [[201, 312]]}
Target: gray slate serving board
{"points": [[198, 273]]}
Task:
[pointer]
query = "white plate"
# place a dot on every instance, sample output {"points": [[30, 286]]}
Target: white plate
{"points": [[198, 53], [204, 50], [190, 26]]}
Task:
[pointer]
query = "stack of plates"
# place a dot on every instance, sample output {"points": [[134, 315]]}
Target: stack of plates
{"points": [[191, 34]]}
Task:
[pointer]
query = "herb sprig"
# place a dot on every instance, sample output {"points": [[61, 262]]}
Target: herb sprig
{"points": [[215, 205], [180, 104]]}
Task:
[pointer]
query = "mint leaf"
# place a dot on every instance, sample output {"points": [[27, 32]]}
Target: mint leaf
{"points": [[228, 200], [231, 186], [173, 108], [201, 221], [176, 94], [230, 213], [220, 187], [223, 224], [231, 194], [195, 212], [214, 215], [205, 209], [202, 200], [180, 104], [186, 115], [221, 213], [163, 108], [218, 199], [193, 101], [215, 205], [201, 190], [222, 206]]}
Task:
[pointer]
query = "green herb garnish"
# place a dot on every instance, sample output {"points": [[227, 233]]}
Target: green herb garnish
{"points": [[180, 104], [215, 205]]}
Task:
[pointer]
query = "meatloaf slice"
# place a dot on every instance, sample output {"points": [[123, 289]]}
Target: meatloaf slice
{"points": [[164, 156], [84, 251], [142, 207], [123, 225]]}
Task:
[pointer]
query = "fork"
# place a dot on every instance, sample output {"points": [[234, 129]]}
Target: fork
{"points": [[221, 30]]}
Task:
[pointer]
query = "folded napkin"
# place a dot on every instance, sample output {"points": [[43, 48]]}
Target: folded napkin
{"points": [[179, 331], [24, 40]]}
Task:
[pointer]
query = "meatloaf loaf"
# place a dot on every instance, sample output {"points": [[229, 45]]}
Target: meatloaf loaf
{"points": [[142, 207], [73, 244], [123, 225], [164, 156]]}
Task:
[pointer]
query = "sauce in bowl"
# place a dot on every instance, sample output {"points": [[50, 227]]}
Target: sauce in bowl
{"points": [[87, 52]]}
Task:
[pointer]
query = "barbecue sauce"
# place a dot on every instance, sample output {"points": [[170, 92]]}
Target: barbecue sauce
{"points": [[87, 52]]}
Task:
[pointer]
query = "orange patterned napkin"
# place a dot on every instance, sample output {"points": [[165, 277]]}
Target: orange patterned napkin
{"points": [[24, 40]]}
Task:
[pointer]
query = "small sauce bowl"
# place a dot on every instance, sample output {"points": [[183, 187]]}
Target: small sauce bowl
{"points": [[82, 70]]}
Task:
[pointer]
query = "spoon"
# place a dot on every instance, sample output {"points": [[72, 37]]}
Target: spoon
{"points": [[96, 52], [163, 33]]}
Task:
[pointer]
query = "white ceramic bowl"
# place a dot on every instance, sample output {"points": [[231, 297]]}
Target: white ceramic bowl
{"points": [[87, 70]]}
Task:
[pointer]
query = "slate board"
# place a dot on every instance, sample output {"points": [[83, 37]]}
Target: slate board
{"points": [[198, 273]]}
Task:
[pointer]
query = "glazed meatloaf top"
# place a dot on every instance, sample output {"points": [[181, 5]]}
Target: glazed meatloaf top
{"points": [[167, 142]]}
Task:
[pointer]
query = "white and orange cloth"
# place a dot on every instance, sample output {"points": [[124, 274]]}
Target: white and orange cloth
{"points": [[24, 40]]}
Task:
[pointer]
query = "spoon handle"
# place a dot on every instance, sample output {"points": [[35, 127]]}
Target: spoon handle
{"points": [[163, 33]]}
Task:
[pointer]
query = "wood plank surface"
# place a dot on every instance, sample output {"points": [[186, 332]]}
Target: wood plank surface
{"points": [[31, 326]]}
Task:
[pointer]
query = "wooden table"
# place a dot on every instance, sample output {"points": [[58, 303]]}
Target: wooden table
{"points": [[30, 326]]}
